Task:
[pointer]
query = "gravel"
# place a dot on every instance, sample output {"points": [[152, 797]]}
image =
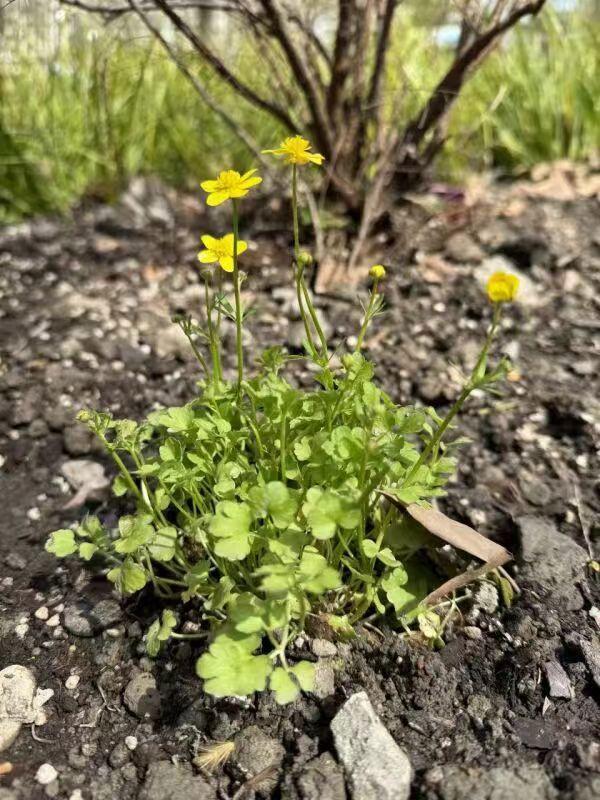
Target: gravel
{"points": [[167, 781], [85, 620], [142, 697]]}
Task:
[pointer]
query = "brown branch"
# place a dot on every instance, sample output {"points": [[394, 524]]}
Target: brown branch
{"points": [[449, 86], [222, 70], [341, 55], [383, 40], [312, 37], [116, 11], [305, 80], [242, 135]]}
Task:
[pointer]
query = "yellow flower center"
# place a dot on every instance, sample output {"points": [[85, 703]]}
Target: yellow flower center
{"points": [[229, 179]]}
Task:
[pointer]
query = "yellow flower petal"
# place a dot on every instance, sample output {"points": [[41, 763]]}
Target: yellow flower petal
{"points": [[216, 198], [226, 263], [247, 183], [246, 175], [210, 186], [241, 247], [209, 241], [226, 243], [207, 257], [296, 149], [237, 191]]}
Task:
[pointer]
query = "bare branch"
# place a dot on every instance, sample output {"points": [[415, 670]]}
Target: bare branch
{"points": [[117, 11], [311, 37], [445, 93], [303, 76], [200, 89], [341, 54], [223, 71], [383, 39]]}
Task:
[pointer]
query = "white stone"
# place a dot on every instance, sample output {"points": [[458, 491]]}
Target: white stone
{"points": [[72, 682], [54, 621], [42, 613], [46, 774], [20, 702], [131, 742], [21, 630], [376, 767]]}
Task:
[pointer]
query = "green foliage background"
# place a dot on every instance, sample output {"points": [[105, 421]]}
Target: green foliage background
{"points": [[104, 107]]}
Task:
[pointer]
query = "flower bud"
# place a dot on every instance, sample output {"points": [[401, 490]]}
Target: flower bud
{"points": [[304, 259], [377, 272], [502, 287]]}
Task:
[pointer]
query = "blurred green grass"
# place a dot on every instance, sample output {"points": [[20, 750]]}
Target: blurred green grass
{"points": [[104, 109]]}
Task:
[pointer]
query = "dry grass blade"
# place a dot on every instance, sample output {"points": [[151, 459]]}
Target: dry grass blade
{"points": [[455, 533], [460, 536], [214, 755]]}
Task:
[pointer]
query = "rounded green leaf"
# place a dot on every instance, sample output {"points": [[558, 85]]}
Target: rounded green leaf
{"points": [[61, 543]]}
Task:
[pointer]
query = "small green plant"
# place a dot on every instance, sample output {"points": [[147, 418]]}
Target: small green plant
{"points": [[260, 503]]}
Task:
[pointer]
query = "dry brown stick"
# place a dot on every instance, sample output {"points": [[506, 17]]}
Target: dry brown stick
{"points": [[221, 69], [458, 581], [459, 536], [242, 134]]}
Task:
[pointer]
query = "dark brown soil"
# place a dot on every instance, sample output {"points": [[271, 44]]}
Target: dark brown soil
{"points": [[84, 321]]}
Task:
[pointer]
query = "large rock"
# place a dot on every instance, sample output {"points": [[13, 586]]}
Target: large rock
{"points": [[20, 702], [525, 782], [552, 559], [376, 767], [167, 781]]}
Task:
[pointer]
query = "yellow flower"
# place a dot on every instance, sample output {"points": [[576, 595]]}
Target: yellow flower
{"points": [[296, 151], [229, 185], [377, 271], [220, 251], [502, 287]]}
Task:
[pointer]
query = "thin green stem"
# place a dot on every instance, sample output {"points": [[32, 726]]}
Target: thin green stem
{"points": [[367, 317], [214, 345], [282, 443], [301, 287], [470, 385], [298, 267], [238, 299]]}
